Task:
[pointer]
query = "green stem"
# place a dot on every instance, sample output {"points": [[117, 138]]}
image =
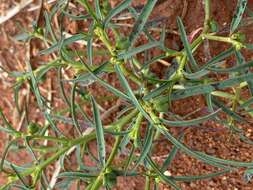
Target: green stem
{"points": [[55, 139], [219, 38], [237, 44], [196, 43], [99, 180], [53, 158], [235, 103], [81, 140], [100, 32], [207, 15], [132, 76], [147, 183]]}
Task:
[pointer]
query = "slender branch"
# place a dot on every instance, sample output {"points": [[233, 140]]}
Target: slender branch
{"points": [[207, 15]]}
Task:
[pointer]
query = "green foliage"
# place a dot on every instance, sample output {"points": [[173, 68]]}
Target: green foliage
{"points": [[146, 113]]}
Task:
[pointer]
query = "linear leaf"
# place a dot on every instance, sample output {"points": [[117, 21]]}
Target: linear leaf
{"points": [[247, 103], [9, 128], [241, 6], [167, 179], [233, 81], [171, 156], [241, 60], [197, 74], [98, 10], [76, 174], [191, 122], [227, 162], [141, 21], [147, 146], [56, 7], [49, 27], [20, 177], [5, 153], [133, 51], [221, 56], [228, 111], [99, 133], [192, 91], [90, 45], [130, 93], [186, 44], [108, 86], [40, 99], [237, 68], [199, 89], [65, 42], [24, 37], [73, 109], [153, 60], [200, 177], [203, 157], [158, 90], [116, 10]]}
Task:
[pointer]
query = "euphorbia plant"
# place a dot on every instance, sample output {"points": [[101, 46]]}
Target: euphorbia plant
{"points": [[145, 117]]}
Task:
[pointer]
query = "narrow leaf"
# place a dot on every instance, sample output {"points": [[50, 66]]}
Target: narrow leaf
{"points": [[130, 93], [200, 177], [167, 179], [65, 42], [133, 51], [227, 110], [108, 86], [237, 68], [99, 133], [221, 56], [76, 174], [116, 10], [186, 44], [191, 122], [90, 45], [147, 146], [171, 156], [98, 10], [158, 90], [241, 6], [141, 21]]}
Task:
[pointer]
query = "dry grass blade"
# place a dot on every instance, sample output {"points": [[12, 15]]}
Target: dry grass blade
{"points": [[15, 10]]}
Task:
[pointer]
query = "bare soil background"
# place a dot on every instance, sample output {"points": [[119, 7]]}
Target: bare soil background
{"points": [[210, 138]]}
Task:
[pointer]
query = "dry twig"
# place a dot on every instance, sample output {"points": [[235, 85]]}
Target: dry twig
{"points": [[15, 10]]}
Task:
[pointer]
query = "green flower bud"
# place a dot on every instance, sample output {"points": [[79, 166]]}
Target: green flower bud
{"points": [[33, 128]]}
